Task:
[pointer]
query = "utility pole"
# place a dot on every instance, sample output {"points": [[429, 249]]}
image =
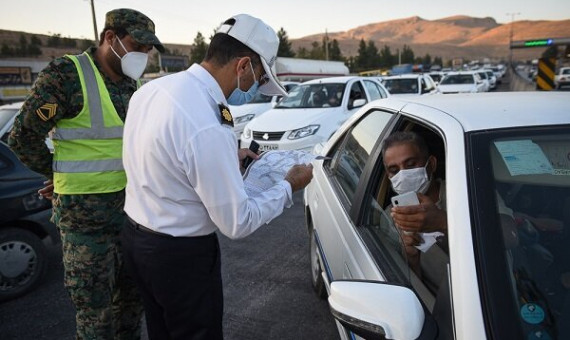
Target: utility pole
{"points": [[511, 37], [326, 45], [94, 22]]}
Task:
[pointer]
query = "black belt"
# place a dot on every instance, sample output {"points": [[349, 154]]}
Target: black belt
{"points": [[142, 228]]}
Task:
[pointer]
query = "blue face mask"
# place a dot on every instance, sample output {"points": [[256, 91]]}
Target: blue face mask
{"points": [[239, 97]]}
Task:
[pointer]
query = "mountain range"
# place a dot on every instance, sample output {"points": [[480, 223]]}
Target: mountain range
{"points": [[452, 37]]}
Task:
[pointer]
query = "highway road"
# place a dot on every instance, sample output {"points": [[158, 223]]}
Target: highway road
{"points": [[267, 289]]}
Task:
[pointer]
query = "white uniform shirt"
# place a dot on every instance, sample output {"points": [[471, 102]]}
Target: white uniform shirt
{"points": [[182, 166]]}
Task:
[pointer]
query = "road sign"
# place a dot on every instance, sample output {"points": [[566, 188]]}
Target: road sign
{"points": [[545, 76], [540, 42]]}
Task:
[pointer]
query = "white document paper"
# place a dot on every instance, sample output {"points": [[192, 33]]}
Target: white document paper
{"points": [[428, 240], [271, 167]]}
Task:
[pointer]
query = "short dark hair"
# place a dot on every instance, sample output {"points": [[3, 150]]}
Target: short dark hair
{"points": [[223, 48], [402, 137], [119, 31]]}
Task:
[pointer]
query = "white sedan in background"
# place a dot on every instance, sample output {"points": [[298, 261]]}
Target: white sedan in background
{"points": [[501, 269], [311, 113], [413, 84], [461, 82], [243, 114]]}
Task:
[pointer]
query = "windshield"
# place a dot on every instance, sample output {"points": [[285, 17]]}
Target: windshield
{"points": [[401, 85], [260, 98], [457, 79], [523, 209], [313, 95], [435, 77]]}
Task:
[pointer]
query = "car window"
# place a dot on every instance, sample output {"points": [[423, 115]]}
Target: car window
{"points": [[356, 92], [454, 79], [424, 270], [313, 96], [401, 85], [373, 90], [260, 98], [350, 155], [525, 227]]}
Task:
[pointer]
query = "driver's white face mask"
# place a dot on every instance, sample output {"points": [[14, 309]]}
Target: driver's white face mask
{"points": [[133, 64], [415, 180]]}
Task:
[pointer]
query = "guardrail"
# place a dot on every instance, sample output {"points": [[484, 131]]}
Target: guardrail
{"points": [[520, 82]]}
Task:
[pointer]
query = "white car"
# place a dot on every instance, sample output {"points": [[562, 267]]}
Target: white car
{"points": [[311, 113], [8, 113], [409, 84], [562, 78], [492, 78], [501, 271], [461, 82], [485, 79], [243, 114]]}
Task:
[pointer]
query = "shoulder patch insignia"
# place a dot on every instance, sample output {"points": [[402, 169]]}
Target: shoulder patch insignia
{"points": [[46, 111], [226, 115]]}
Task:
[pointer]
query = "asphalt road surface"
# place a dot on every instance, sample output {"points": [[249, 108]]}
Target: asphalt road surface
{"points": [[267, 290]]}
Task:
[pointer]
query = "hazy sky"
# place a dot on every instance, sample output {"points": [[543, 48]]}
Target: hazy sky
{"points": [[178, 21]]}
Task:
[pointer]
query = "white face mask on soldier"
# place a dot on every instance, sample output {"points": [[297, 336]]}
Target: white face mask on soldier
{"points": [[407, 180], [133, 64]]}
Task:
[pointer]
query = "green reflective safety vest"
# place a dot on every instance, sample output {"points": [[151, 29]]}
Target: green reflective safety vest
{"points": [[87, 155]]}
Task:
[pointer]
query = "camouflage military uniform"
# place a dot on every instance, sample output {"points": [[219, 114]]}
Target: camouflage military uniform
{"points": [[107, 305]]}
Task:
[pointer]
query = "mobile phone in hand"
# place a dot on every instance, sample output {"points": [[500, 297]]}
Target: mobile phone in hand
{"points": [[408, 198], [254, 146]]}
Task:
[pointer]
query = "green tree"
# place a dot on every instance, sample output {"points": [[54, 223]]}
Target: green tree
{"points": [[316, 51], [361, 58], [438, 61], [386, 57], [372, 56], [334, 51], [407, 55], [54, 40], [285, 49], [34, 40], [302, 52], [23, 46], [198, 49], [427, 59], [6, 51], [84, 44]]}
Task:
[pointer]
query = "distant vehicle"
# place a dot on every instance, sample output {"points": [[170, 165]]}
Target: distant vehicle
{"points": [[562, 78], [311, 113], [436, 76], [486, 80], [492, 78], [8, 113], [243, 114], [296, 69], [24, 226], [409, 84], [401, 69], [461, 82], [498, 73], [500, 271]]}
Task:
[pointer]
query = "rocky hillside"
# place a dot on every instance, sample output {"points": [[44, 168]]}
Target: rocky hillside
{"points": [[457, 36]]}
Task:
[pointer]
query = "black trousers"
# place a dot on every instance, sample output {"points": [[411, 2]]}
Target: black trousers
{"points": [[180, 281]]}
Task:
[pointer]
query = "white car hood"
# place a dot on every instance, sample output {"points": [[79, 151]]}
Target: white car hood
{"points": [[457, 88], [291, 119], [242, 110]]}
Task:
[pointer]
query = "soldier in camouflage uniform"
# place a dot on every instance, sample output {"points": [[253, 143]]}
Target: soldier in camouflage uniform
{"points": [[89, 220]]}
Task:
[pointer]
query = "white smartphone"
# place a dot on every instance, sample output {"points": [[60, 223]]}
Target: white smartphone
{"points": [[408, 198]]}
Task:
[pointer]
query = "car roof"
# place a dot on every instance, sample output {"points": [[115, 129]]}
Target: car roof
{"points": [[483, 111], [15, 105], [328, 80], [460, 72], [404, 76]]}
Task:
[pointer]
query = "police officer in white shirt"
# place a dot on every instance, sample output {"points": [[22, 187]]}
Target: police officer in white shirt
{"points": [[184, 181]]}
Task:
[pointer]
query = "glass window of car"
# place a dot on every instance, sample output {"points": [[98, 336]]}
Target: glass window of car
{"points": [[349, 156], [312, 95], [373, 89], [401, 85], [523, 231], [6, 117], [429, 278], [260, 98], [457, 79]]}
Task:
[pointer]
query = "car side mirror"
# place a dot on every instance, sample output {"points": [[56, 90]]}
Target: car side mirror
{"points": [[375, 310], [357, 103]]}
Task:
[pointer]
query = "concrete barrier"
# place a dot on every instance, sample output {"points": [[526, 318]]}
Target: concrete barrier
{"points": [[520, 82]]}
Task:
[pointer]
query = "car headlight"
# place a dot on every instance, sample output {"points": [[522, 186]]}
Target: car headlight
{"points": [[244, 119], [246, 133], [304, 132]]}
